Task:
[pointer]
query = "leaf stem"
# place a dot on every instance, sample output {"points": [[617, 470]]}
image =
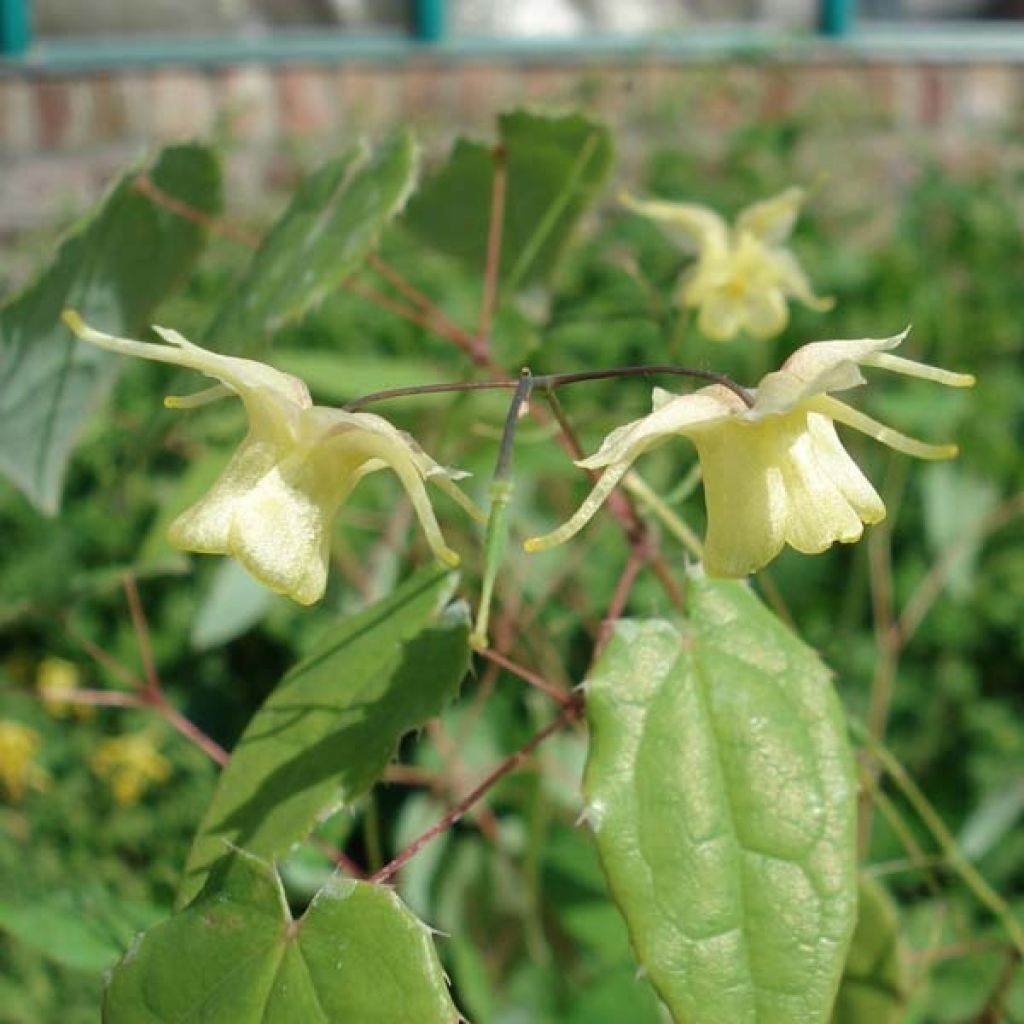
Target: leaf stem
{"points": [[527, 675]]}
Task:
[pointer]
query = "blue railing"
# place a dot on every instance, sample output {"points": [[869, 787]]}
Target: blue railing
{"points": [[838, 30]]}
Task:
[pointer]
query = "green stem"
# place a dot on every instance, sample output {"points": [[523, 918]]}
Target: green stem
{"points": [[970, 875], [640, 489]]}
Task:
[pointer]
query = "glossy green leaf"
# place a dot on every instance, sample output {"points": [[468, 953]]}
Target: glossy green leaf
{"points": [[875, 984], [327, 732], [113, 268], [721, 791], [334, 219], [236, 956], [555, 167]]}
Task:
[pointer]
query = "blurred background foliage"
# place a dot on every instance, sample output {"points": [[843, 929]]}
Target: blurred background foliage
{"points": [[898, 237]]}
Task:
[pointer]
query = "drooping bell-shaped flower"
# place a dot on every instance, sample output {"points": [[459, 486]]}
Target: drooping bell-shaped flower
{"points": [[274, 503], [774, 470], [744, 275]]}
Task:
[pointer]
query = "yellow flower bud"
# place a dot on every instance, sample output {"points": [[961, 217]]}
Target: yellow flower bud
{"points": [[129, 765], [18, 747], [56, 678], [744, 275]]}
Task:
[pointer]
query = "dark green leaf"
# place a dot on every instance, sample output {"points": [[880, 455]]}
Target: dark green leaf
{"points": [[555, 166], [874, 986], [114, 269], [721, 792], [326, 734], [236, 956], [334, 219]]}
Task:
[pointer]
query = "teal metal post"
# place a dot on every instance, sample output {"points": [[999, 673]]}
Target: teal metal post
{"points": [[429, 20], [15, 33], [837, 17]]}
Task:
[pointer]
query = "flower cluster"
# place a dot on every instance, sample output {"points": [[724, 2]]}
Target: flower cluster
{"points": [[130, 765], [19, 745], [744, 275], [774, 469], [273, 506]]}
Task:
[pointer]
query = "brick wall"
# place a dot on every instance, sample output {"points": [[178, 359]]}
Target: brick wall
{"points": [[61, 139]]}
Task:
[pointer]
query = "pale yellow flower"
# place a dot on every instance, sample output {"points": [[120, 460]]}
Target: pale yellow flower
{"points": [[273, 505], [775, 472], [19, 745], [56, 679], [743, 276], [129, 765]]}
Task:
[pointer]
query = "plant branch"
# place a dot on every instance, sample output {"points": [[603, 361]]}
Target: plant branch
{"points": [[527, 675], [569, 713], [145, 185], [495, 227]]}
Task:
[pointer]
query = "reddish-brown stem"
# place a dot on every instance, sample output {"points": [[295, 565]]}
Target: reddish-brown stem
{"points": [[141, 628], [104, 660], [620, 596], [495, 229], [568, 713], [94, 698], [443, 328], [187, 728], [527, 675], [144, 184], [341, 860]]}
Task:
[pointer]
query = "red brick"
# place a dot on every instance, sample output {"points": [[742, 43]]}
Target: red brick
{"points": [[306, 105]]}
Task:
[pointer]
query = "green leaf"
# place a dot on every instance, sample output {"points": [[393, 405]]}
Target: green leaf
{"points": [[113, 268], [721, 791], [326, 734], [236, 956], [875, 984], [338, 377], [555, 167], [334, 219], [86, 928], [233, 603]]}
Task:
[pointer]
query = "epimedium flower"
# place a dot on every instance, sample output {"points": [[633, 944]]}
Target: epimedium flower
{"points": [[130, 765], [744, 275], [775, 471], [274, 503]]}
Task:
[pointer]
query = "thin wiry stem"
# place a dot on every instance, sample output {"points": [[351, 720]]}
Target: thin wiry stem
{"points": [[145, 185], [495, 228], [570, 712], [527, 675]]}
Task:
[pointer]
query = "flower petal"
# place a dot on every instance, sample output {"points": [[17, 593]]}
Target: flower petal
{"points": [[720, 317], [818, 513], [745, 498], [772, 220], [912, 368], [765, 313], [676, 415], [843, 413], [795, 282], [699, 225], [843, 471]]}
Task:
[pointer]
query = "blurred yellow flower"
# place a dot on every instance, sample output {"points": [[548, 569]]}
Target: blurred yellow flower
{"points": [[743, 276], [273, 505], [18, 770], [56, 678], [774, 470], [129, 765]]}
